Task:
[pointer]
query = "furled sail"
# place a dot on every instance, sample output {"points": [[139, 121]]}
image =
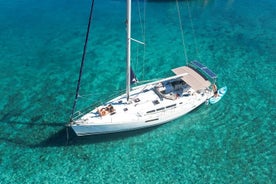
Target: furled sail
{"points": [[133, 78]]}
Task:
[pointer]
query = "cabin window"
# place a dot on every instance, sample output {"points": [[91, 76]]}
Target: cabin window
{"points": [[152, 120], [162, 108], [169, 106], [151, 111]]}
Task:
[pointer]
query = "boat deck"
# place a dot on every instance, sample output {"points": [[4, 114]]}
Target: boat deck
{"points": [[145, 103]]}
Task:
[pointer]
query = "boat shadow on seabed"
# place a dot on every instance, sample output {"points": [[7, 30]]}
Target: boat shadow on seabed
{"points": [[60, 138], [30, 134], [49, 134]]}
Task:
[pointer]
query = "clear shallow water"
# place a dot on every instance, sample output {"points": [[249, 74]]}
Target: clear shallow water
{"points": [[40, 51]]}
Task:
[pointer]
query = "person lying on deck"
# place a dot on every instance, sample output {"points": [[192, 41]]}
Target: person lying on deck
{"points": [[106, 110], [110, 108]]}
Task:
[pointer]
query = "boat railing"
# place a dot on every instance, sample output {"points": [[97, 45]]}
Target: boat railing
{"points": [[85, 110]]}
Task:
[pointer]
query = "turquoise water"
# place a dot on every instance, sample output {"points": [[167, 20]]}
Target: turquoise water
{"points": [[41, 45]]}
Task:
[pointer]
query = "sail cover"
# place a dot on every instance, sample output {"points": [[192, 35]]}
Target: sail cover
{"points": [[193, 78]]}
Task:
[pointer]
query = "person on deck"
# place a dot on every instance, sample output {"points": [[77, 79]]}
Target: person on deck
{"points": [[110, 108], [215, 90]]}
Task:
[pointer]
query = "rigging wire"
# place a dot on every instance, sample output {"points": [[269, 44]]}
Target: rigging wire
{"points": [[80, 72], [182, 32], [142, 26], [144, 39], [82, 60], [193, 30]]}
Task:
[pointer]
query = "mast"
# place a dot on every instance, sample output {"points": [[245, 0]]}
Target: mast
{"points": [[128, 48]]}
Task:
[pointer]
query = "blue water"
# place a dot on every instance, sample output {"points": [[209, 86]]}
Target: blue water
{"points": [[41, 45]]}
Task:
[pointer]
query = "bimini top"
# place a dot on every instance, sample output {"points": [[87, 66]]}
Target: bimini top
{"points": [[193, 78]]}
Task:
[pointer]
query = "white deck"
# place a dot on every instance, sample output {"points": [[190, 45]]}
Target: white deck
{"points": [[147, 106]]}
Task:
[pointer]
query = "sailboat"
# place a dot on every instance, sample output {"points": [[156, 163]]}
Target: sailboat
{"points": [[149, 104]]}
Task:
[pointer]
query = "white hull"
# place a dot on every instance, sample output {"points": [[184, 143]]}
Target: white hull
{"points": [[82, 130], [149, 105]]}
